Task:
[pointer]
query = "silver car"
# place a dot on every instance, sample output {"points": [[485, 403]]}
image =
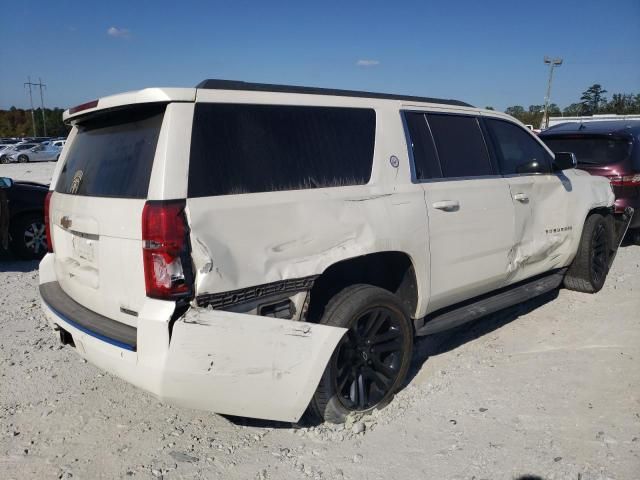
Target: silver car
{"points": [[15, 150], [34, 153]]}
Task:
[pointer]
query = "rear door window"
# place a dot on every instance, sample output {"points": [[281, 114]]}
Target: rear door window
{"points": [[460, 145], [112, 154], [237, 148], [515, 147], [421, 143]]}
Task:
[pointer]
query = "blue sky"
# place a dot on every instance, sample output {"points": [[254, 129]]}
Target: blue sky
{"points": [[482, 52]]}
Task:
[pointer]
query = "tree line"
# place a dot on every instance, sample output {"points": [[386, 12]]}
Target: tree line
{"points": [[16, 122], [592, 101]]}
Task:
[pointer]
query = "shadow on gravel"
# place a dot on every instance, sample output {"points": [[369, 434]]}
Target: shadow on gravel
{"points": [[10, 263], [436, 344]]}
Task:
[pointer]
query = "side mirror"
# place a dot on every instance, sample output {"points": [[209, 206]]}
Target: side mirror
{"points": [[6, 182], [533, 166], [564, 161]]}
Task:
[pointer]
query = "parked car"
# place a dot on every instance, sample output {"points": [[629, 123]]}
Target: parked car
{"points": [[607, 148], [37, 153], [258, 250], [4, 149], [15, 150], [22, 227]]}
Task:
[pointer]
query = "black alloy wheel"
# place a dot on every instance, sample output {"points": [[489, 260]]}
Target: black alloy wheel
{"points": [[368, 359], [23, 159], [599, 253], [588, 271], [371, 361]]}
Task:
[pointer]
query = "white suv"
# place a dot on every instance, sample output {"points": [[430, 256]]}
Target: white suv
{"points": [[261, 250]]}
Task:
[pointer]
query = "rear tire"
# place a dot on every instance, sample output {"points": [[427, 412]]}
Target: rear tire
{"points": [[590, 267], [371, 361], [28, 236], [23, 159]]}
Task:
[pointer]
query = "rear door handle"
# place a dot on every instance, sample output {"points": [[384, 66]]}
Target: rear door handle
{"points": [[521, 197], [447, 205]]}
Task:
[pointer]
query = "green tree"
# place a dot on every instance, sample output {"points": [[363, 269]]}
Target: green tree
{"points": [[593, 99], [489, 108], [515, 111]]}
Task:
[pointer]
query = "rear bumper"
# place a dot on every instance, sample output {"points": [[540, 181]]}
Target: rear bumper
{"points": [[223, 362]]}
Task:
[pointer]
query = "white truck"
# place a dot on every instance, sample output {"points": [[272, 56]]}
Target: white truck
{"points": [[264, 250]]}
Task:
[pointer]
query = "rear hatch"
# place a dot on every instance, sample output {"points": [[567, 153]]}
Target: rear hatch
{"points": [[97, 206]]}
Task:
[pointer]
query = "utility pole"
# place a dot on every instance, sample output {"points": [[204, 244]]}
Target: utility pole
{"points": [[44, 121], [33, 118], [556, 62]]}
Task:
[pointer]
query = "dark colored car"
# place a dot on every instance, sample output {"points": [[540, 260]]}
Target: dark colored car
{"points": [[22, 225], [607, 148]]}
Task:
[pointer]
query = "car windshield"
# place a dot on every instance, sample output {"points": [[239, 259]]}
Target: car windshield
{"points": [[592, 150]]}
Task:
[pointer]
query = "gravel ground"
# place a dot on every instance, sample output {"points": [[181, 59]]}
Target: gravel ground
{"points": [[548, 389]]}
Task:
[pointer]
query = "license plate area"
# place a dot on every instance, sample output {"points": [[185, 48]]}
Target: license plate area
{"points": [[85, 247]]}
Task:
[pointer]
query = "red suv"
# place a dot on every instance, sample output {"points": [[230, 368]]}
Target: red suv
{"points": [[607, 148]]}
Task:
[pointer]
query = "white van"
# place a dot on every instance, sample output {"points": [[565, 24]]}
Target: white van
{"points": [[257, 249]]}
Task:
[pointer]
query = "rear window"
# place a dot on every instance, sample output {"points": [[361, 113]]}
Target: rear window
{"points": [[112, 154], [260, 148], [592, 150]]}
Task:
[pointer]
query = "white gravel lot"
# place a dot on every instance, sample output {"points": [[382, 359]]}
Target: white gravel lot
{"points": [[549, 389]]}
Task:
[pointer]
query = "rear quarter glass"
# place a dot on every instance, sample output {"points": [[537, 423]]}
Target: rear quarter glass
{"points": [[261, 148], [112, 154]]}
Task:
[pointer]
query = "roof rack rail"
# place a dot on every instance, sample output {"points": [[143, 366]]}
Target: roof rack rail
{"points": [[216, 84]]}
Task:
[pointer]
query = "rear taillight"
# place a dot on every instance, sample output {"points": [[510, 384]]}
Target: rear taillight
{"points": [[625, 180], [165, 250], [47, 222]]}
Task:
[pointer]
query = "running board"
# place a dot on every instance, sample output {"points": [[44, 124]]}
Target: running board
{"points": [[474, 309]]}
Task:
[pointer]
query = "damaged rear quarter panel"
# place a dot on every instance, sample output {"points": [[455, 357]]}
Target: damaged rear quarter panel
{"points": [[240, 241], [247, 365]]}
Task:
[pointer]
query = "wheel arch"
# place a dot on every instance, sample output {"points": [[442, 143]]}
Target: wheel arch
{"points": [[391, 270]]}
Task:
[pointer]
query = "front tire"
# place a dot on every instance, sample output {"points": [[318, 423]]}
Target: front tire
{"points": [[371, 361], [28, 236], [4, 159], [590, 267]]}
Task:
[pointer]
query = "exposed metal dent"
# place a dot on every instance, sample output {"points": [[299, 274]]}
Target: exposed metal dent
{"points": [[536, 251]]}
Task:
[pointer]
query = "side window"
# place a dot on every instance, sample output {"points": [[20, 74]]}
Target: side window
{"points": [[237, 148], [420, 141], [515, 147], [460, 145]]}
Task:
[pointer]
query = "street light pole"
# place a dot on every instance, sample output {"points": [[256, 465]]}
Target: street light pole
{"points": [[556, 62]]}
